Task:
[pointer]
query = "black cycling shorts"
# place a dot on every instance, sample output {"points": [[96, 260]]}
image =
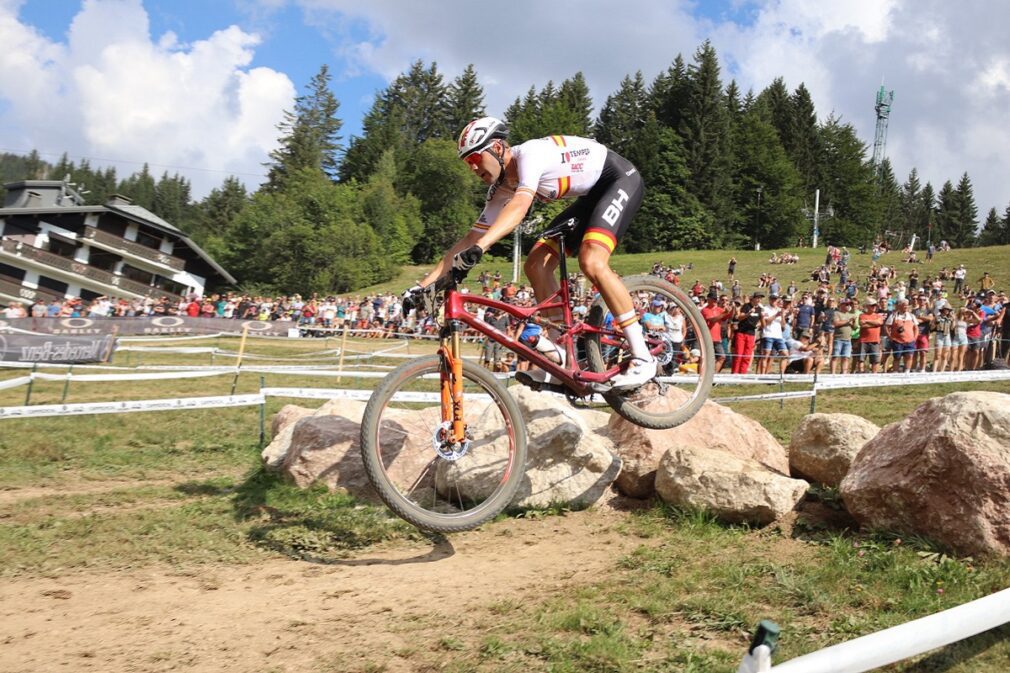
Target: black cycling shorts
{"points": [[604, 214]]}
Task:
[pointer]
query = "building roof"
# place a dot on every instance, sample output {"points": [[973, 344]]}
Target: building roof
{"points": [[54, 200]]}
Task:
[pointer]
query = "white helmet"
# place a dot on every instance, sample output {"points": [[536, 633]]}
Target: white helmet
{"points": [[479, 133]]}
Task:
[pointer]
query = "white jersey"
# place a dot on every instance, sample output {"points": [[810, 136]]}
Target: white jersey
{"points": [[551, 168]]}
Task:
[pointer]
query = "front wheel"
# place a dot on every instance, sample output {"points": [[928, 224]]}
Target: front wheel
{"points": [[683, 347], [428, 481]]}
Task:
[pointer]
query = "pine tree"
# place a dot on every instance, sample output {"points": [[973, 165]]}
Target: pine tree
{"points": [[573, 94], [776, 98], [889, 211], [310, 135], [992, 230], [465, 100], [670, 94], [422, 98], [623, 116], [802, 138], [705, 131], [140, 188], [946, 213], [847, 184], [965, 230], [769, 199]]}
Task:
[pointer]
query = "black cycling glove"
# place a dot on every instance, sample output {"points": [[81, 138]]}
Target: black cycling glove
{"points": [[467, 259]]}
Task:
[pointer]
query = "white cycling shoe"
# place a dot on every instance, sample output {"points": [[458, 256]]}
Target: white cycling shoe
{"points": [[543, 376], [638, 373]]}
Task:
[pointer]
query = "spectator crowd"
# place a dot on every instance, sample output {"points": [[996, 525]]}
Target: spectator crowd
{"points": [[887, 321]]}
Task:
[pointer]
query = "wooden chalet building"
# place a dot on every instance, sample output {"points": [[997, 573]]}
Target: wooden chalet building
{"points": [[52, 247]]}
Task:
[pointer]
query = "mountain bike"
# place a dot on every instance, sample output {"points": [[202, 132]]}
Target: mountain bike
{"points": [[443, 441]]}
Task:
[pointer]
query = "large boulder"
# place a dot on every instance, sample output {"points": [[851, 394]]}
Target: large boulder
{"points": [[567, 462], [284, 423], [714, 426], [823, 445], [943, 472], [736, 490], [326, 448], [281, 428]]}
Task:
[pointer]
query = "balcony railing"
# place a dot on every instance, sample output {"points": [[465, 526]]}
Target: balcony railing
{"points": [[133, 248], [80, 269], [14, 288]]}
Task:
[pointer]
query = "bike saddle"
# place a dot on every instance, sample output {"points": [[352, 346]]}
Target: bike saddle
{"points": [[561, 228]]}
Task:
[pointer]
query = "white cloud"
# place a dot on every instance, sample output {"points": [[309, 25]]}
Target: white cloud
{"points": [[114, 92], [947, 62]]}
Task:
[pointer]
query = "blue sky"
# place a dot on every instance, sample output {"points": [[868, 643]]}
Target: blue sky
{"points": [[199, 86]]}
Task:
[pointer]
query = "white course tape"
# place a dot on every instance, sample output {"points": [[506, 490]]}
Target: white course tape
{"points": [[130, 377], [841, 381], [799, 394], [14, 383], [130, 406], [363, 395], [905, 640]]}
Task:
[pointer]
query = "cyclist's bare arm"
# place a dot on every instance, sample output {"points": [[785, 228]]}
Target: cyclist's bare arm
{"points": [[445, 263], [508, 219]]}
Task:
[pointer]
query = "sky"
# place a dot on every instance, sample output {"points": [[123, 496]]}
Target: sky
{"points": [[197, 87]]}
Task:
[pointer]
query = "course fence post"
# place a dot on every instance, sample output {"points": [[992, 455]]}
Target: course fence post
{"points": [[241, 351], [813, 398], [31, 381], [66, 384], [263, 415], [343, 349]]}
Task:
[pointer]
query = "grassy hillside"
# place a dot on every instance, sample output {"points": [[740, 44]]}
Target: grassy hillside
{"points": [[711, 264]]}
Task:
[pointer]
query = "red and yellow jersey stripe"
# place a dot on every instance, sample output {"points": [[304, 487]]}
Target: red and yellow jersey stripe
{"points": [[600, 237], [564, 184], [559, 141]]}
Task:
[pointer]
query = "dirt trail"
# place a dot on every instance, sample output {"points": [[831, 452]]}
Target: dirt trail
{"points": [[284, 615], [15, 495]]}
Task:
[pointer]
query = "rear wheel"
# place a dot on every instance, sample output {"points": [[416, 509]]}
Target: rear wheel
{"points": [[427, 480], [686, 367]]}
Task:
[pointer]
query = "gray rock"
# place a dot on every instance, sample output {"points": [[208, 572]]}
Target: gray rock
{"points": [[823, 445], [714, 426], [567, 463], [736, 490]]}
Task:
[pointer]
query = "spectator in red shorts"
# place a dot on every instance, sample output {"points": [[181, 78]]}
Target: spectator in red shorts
{"points": [[714, 317], [748, 317]]}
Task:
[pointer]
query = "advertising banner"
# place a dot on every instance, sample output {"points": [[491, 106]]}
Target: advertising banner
{"points": [[52, 349], [166, 325]]}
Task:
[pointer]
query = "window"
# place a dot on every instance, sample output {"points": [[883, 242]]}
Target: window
{"points": [[12, 272], [137, 275], [55, 285], [146, 239]]}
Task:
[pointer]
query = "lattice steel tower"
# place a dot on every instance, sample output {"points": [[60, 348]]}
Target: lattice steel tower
{"points": [[883, 108]]}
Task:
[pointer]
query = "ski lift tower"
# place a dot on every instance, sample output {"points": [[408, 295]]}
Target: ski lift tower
{"points": [[883, 108]]}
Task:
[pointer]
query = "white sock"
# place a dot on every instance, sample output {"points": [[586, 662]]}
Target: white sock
{"points": [[633, 333]]}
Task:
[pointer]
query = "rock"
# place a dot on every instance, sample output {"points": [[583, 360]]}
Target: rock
{"points": [[285, 421], [823, 446], [714, 426], [943, 472], [327, 449], [288, 414], [567, 462], [281, 428], [736, 490]]}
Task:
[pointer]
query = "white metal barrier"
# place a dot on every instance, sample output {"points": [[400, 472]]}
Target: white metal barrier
{"points": [[896, 643]]}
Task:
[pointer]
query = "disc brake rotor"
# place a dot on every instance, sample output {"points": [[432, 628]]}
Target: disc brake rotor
{"points": [[444, 447]]}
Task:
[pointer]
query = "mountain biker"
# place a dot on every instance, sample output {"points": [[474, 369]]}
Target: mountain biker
{"points": [[607, 189]]}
